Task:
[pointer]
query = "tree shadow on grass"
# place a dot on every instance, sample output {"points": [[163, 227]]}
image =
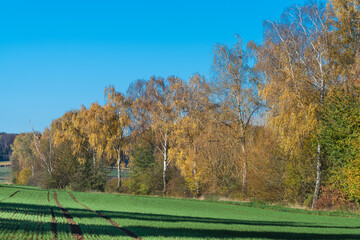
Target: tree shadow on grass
{"points": [[80, 212], [175, 218], [8, 226], [161, 232]]}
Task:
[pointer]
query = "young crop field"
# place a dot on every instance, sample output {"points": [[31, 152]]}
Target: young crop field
{"points": [[5, 175], [32, 213]]}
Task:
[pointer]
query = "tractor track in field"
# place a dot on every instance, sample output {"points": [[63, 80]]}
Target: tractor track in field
{"points": [[74, 227], [9, 196], [127, 232], [53, 219], [13, 194]]}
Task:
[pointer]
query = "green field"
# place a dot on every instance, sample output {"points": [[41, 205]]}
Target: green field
{"points": [[32, 213], [5, 175]]}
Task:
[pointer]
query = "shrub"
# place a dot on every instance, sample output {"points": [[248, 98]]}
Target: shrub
{"points": [[23, 176], [111, 185], [332, 198]]}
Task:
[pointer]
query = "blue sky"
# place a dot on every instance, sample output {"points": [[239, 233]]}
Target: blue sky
{"points": [[57, 55]]}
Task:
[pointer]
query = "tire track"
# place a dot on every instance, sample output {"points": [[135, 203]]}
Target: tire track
{"points": [[53, 219], [13, 194], [9, 196], [127, 232], [74, 227]]}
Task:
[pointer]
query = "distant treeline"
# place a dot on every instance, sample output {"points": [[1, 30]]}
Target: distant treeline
{"points": [[5, 146], [276, 122]]}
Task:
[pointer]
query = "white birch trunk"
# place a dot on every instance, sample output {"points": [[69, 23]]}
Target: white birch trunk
{"points": [[94, 157], [32, 170], [42, 156], [244, 175], [119, 170], [318, 157], [165, 166], [318, 176]]}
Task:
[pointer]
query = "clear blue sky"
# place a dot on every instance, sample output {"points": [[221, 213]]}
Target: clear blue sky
{"points": [[57, 55]]}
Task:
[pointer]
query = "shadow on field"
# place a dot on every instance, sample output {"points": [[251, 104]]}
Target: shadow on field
{"points": [[174, 218], [23, 188], [9, 223]]}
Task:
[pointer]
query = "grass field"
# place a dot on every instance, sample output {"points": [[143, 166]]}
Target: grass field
{"points": [[5, 175], [32, 213]]}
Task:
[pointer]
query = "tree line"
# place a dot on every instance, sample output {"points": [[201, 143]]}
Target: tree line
{"points": [[277, 121], [6, 139]]}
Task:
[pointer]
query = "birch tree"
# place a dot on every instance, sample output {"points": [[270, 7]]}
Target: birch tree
{"points": [[193, 110], [43, 146], [163, 116], [294, 59], [236, 86], [157, 104], [115, 124]]}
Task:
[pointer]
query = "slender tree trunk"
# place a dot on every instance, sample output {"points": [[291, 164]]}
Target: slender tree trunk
{"points": [[94, 157], [165, 154], [119, 172], [318, 157], [244, 178], [195, 173], [50, 154], [318, 176], [244, 174], [42, 156], [32, 170], [196, 180], [164, 177]]}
